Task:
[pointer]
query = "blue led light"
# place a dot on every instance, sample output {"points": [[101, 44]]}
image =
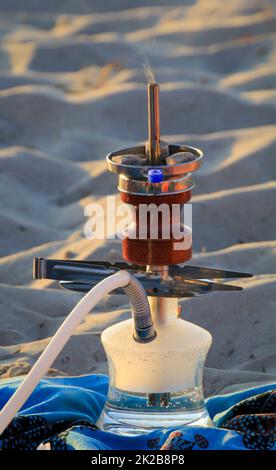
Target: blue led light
{"points": [[155, 176]]}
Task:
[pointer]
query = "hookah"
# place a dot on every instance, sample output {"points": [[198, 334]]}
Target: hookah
{"points": [[155, 359]]}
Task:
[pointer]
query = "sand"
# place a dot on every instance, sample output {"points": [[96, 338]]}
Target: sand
{"points": [[72, 88]]}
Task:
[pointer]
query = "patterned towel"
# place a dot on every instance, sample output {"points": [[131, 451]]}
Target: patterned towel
{"points": [[63, 412]]}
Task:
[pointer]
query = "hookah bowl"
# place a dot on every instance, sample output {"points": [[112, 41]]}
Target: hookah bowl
{"points": [[154, 382]]}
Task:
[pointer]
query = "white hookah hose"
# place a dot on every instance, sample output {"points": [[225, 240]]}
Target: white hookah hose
{"points": [[46, 359]]}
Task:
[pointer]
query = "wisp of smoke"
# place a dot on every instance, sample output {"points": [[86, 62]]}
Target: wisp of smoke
{"points": [[149, 74], [148, 71]]}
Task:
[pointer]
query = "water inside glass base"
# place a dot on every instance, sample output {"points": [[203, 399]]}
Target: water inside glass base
{"points": [[131, 414]]}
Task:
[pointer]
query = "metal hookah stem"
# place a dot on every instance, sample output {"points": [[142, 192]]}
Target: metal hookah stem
{"points": [[153, 147], [160, 306], [153, 124]]}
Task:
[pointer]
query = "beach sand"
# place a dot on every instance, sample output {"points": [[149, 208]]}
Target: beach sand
{"points": [[73, 88]]}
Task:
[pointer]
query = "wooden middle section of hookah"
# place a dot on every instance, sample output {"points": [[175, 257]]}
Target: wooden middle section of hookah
{"points": [[158, 251]]}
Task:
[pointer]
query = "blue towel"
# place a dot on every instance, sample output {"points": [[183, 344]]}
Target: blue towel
{"points": [[64, 410]]}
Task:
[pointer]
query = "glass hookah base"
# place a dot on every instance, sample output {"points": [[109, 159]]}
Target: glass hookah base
{"points": [[130, 423], [131, 414]]}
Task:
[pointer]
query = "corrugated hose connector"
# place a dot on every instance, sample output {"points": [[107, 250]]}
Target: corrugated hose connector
{"points": [[142, 319]]}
